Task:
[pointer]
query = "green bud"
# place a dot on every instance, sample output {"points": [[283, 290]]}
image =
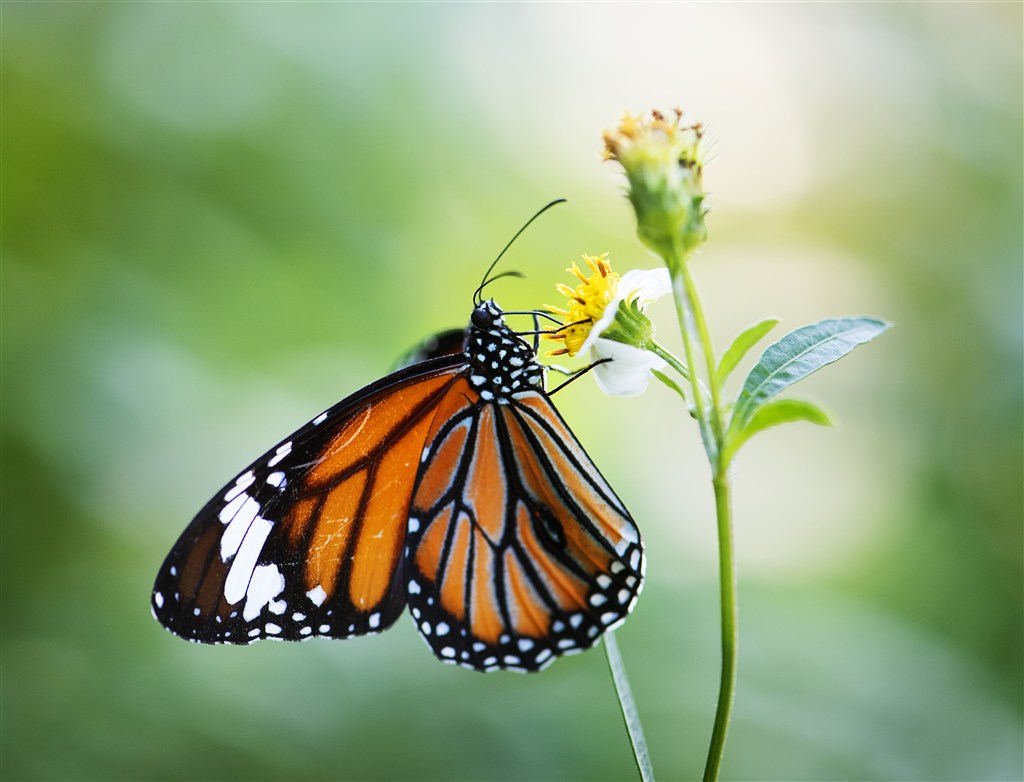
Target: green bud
{"points": [[663, 161]]}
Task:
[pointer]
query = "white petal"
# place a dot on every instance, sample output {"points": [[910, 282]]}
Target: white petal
{"points": [[629, 370], [644, 285], [641, 285], [598, 328]]}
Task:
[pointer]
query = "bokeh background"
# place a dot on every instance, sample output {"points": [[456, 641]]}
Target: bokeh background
{"points": [[218, 219]]}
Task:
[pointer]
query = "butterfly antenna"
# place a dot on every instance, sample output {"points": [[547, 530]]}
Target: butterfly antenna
{"points": [[495, 278], [476, 295]]}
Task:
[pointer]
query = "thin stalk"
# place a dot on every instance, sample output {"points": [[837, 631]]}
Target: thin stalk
{"points": [[709, 354], [730, 627], [693, 326], [678, 366], [700, 401], [627, 705]]}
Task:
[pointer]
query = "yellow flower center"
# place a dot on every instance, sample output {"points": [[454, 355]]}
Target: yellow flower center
{"points": [[586, 303]]}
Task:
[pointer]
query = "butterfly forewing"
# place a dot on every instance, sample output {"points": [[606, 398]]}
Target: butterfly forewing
{"points": [[309, 539]]}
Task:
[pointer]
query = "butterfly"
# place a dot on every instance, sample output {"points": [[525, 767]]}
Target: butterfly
{"points": [[451, 486]]}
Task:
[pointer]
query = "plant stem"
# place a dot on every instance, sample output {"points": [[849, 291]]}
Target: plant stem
{"points": [[730, 627], [627, 705], [710, 414], [709, 354], [701, 404]]}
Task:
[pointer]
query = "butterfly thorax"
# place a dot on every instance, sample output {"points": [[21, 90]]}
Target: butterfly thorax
{"points": [[501, 362]]}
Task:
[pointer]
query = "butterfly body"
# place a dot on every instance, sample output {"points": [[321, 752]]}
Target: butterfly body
{"points": [[452, 486]]}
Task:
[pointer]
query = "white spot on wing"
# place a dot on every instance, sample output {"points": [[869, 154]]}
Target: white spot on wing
{"points": [[159, 600], [317, 595], [266, 584], [276, 478], [320, 419], [228, 511], [242, 482], [239, 526], [282, 451], [241, 571]]}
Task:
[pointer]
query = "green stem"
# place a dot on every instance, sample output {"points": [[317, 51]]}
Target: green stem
{"points": [[700, 401], [710, 414], [680, 367], [730, 627], [627, 705], [709, 354]]}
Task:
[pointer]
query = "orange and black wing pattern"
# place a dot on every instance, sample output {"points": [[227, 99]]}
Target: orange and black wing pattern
{"points": [[452, 485], [519, 551], [309, 540]]}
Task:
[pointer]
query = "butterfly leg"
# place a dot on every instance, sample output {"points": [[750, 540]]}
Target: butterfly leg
{"points": [[574, 375]]}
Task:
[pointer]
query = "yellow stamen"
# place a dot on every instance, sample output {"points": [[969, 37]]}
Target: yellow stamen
{"points": [[586, 303]]}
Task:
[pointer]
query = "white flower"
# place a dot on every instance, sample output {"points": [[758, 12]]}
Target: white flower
{"points": [[606, 320], [629, 369]]}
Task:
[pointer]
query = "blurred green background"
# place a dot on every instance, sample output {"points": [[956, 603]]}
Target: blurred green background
{"points": [[218, 219]]}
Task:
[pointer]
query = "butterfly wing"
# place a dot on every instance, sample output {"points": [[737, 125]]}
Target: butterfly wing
{"points": [[518, 550], [440, 344], [309, 539]]}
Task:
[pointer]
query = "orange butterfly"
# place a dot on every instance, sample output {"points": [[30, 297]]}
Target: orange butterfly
{"points": [[452, 486]]}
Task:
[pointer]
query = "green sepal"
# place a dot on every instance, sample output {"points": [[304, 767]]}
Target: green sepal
{"points": [[741, 346], [797, 355]]}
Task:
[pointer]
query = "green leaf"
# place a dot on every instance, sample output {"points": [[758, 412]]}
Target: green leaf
{"points": [[739, 347], [797, 355], [778, 411]]}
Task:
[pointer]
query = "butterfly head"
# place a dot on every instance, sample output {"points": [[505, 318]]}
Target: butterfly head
{"points": [[501, 362], [487, 316]]}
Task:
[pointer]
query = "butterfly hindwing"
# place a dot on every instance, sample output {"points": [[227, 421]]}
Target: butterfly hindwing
{"points": [[309, 539], [519, 551]]}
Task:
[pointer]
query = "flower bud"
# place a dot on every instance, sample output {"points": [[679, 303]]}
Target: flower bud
{"points": [[663, 161]]}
